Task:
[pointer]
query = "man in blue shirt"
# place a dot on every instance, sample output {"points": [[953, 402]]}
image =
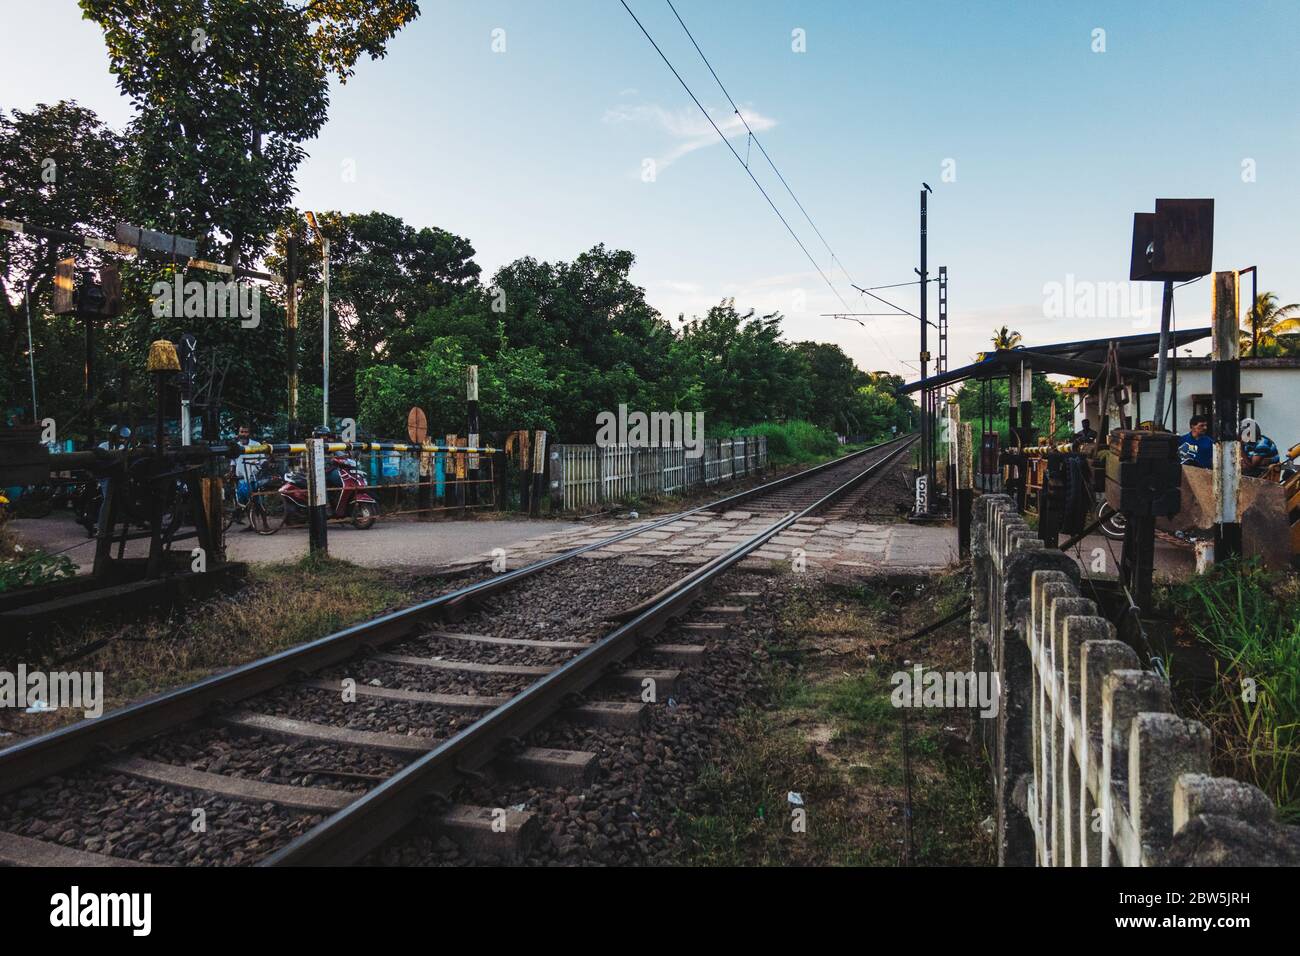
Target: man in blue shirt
{"points": [[1197, 447], [1257, 455]]}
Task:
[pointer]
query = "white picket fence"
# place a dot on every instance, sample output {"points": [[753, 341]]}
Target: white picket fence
{"points": [[586, 475]]}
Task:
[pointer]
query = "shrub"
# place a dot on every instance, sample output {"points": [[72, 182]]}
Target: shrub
{"points": [[794, 441], [1251, 617]]}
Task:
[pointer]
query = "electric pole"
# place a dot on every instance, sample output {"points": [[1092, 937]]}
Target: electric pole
{"points": [[927, 463]]}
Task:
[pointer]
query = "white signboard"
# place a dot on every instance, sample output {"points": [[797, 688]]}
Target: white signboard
{"points": [[318, 471]]}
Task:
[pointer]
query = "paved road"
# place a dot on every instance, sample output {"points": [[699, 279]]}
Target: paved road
{"points": [[404, 543], [387, 544]]}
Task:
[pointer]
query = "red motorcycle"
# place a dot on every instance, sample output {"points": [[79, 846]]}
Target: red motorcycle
{"points": [[346, 494]]}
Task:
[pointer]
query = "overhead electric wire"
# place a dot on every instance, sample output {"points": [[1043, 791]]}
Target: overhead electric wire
{"points": [[892, 305], [754, 139], [754, 136], [727, 142], [894, 285]]}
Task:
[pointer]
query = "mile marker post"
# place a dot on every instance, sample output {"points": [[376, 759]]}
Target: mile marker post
{"points": [[316, 520], [471, 406]]}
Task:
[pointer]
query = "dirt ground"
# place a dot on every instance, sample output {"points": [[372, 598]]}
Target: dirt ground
{"points": [[825, 738]]}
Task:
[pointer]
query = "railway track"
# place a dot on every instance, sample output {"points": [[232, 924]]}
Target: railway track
{"points": [[321, 753]]}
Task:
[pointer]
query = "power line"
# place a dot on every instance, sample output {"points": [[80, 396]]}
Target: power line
{"points": [[894, 285], [901, 310], [753, 137], [727, 142]]}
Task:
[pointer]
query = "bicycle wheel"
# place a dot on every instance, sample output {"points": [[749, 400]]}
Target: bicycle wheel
{"points": [[266, 512], [229, 507]]}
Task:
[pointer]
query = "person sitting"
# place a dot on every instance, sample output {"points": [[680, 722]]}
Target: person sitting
{"points": [[1197, 447], [247, 468], [1257, 455], [1085, 435]]}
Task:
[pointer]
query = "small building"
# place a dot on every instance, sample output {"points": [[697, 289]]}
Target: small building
{"points": [[1270, 394], [1270, 388]]}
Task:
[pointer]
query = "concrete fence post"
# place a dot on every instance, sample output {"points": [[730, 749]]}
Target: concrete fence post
{"points": [[1162, 747], [1090, 765]]}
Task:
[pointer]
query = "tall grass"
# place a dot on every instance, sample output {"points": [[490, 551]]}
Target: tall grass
{"points": [[1251, 618], [794, 441]]}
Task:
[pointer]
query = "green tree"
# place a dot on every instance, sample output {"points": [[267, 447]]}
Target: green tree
{"points": [[597, 332], [833, 380], [1270, 328], [1004, 338], [385, 276], [225, 93], [745, 372], [971, 400], [58, 168]]}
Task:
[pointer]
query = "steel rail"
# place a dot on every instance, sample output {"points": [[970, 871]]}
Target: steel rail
{"points": [[364, 824], [742, 496], [57, 751]]}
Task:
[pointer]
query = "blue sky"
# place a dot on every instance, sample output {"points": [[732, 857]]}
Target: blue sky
{"points": [[539, 150]]}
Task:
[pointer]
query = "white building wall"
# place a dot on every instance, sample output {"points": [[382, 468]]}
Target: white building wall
{"points": [[1277, 407]]}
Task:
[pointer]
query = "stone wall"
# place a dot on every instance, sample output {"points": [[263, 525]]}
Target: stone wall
{"points": [[1090, 765]]}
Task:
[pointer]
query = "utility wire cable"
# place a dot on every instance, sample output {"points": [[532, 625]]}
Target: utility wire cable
{"points": [[892, 305], [882, 344], [753, 138], [894, 285], [741, 161]]}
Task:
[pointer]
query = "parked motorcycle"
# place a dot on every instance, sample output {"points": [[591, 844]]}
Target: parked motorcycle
{"points": [[348, 499]]}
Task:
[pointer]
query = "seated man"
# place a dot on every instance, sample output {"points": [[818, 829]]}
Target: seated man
{"points": [[1257, 455], [1197, 447], [1086, 433], [247, 465]]}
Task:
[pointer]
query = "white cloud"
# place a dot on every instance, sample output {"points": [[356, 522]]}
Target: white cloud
{"points": [[687, 129]]}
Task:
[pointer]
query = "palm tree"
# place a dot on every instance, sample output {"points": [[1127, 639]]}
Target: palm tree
{"points": [[1266, 322], [1004, 338]]}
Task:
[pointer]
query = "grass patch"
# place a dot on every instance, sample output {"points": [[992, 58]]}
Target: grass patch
{"points": [[283, 605], [1250, 618], [825, 728]]}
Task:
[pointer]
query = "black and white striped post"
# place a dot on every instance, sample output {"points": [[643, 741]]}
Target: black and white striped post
{"points": [[317, 523], [471, 407], [539, 473], [1225, 378]]}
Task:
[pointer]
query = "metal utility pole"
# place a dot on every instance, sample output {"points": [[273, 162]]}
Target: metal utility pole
{"points": [[1225, 378], [189, 359], [325, 334], [291, 328], [1162, 360], [927, 425], [31, 355], [325, 320], [941, 367], [943, 321], [1254, 303]]}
